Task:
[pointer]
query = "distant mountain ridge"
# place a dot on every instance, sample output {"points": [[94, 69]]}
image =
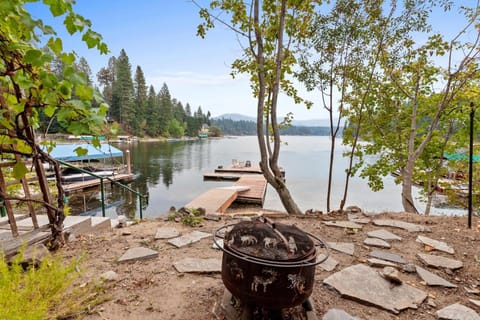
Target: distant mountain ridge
{"points": [[299, 123]]}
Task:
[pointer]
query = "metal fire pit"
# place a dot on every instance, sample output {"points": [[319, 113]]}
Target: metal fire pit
{"points": [[268, 264]]}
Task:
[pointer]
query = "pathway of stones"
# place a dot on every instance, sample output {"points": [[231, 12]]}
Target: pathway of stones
{"points": [[380, 278]]}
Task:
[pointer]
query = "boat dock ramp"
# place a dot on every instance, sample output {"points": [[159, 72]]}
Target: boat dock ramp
{"points": [[250, 187]]}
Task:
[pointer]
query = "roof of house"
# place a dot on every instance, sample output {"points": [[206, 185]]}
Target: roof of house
{"points": [[66, 152]]}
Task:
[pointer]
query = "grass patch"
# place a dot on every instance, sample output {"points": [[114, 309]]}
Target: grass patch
{"points": [[45, 291]]}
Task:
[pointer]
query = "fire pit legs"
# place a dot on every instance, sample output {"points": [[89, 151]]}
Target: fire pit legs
{"points": [[231, 308]]}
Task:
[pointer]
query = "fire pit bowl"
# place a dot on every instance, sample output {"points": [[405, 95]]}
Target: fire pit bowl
{"points": [[268, 264]]}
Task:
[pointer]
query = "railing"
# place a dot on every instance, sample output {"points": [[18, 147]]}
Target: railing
{"points": [[102, 191]]}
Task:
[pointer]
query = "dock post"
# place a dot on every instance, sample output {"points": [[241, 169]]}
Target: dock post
{"points": [[129, 166], [102, 194]]}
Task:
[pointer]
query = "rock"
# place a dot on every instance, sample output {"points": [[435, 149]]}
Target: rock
{"points": [[439, 262], [357, 219], [472, 290], [328, 265], [362, 283], [343, 224], [344, 247], [431, 303], [220, 244], [198, 265], [33, 255], [122, 221], [383, 234], [437, 245], [189, 238], [374, 242], [475, 302], [432, 279], [138, 253], [392, 275], [166, 233], [109, 276], [337, 314], [457, 312], [409, 268], [353, 209], [387, 256], [379, 263], [410, 227]]}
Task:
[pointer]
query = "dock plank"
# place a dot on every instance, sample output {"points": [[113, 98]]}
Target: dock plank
{"points": [[214, 200], [257, 191], [237, 169]]}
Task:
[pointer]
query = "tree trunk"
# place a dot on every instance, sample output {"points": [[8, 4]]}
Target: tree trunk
{"points": [[407, 185], [269, 158]]}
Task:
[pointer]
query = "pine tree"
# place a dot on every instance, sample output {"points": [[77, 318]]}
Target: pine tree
{"points": [[153, 114], [123, 94], [166, 109], [140, 101], [106, 79], [84, 67]]}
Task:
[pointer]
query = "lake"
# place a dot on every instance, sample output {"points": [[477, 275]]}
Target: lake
{"points": [[171, 173]]}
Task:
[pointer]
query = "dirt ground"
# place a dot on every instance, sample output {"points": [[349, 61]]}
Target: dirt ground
{"points": [[153, 289]]}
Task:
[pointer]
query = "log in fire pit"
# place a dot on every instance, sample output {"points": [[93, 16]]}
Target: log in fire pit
{"points": [[269, 265]]}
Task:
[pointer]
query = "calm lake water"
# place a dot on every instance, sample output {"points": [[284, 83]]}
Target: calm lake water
{"points": [[171, 173]]}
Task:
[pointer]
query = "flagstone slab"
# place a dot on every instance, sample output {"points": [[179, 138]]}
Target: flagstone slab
{"points": [[475, 302], [166, 233], [457, 312], [379, 263], [375, 242], [189, 238], [387, 256], [363, 283], [358, 219], [189, 265], [343, 247], [338, 314], [439, 262], [410, 227], [138, 253], [343, 224], [431, 279], [437, 245], [383, 234], [328, 265]]}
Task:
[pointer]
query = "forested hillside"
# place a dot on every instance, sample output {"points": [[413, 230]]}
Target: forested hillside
{"points": [[245, 128], [135, 107]]}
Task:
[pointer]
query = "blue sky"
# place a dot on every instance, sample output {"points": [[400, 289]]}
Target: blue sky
{"points": [[160, 36]]}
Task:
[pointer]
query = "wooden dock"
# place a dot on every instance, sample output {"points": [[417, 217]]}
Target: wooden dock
{"points": [[250, 188], [81, 185]]}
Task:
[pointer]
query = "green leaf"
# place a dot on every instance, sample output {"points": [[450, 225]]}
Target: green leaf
{"points": [[56, 45], [81, 151], [50, 110], [19, 170], [68, 58], [84, 92], [34, 57], [65, 89], [74, 76], [78, 128]]}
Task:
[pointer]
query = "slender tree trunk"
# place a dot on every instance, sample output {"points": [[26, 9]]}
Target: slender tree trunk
{"points": [[269, 162]]}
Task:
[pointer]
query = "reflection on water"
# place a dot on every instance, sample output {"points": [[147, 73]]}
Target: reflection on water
{"points": [[171, 173]]}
